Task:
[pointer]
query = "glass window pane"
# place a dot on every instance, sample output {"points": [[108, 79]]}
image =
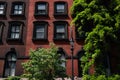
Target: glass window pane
{"points": [[62, 57], [16, 7], [7, 72], [58, 35], [60, 8], [41, 7], [13, 29], [1, 11], [1, 6], [17, 29], [40, 35], [17, 35], [12, 35], [20, 7], [60, 28], [19, 12], [40, 29]]}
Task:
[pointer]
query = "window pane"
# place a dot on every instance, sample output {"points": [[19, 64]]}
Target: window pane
{"points": [[62, 57], [1, 6], [40, 31], [17, 35], [41, 7], [17, 28], [40, 35], [60, 8], [18, 9], [59, 35], [1, 11], [15, 32], [16, 6], [7, 72], [60, 28]]}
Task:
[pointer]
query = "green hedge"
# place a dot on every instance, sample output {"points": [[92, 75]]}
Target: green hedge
{"points": [[13, 78], [101, 77]]}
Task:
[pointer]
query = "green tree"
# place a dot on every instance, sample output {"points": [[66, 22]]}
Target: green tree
{"points": [[44, 64], [100, 21]]}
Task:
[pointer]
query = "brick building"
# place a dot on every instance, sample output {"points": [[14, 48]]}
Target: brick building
{"points": [[26, 24], [32, 24]]}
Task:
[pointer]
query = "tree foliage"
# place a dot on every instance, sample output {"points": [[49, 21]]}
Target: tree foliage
{"points": [[44, 64], [100, 20]]}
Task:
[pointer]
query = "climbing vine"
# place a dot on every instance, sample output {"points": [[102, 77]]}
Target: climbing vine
{"points": [[100, 21]]}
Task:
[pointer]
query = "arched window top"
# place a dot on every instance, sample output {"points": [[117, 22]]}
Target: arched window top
{"points": [[61, 51], [80, 53], [11, 56]]}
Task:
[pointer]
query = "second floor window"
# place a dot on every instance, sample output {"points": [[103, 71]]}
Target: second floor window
{"points": [[18, 9], [15, 30], [60, 31], [41, 8], [2, 8], [40, 30]]}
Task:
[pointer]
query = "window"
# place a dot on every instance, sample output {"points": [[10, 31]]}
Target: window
{"points": [[10, 64], [62, 57], [60, 8], [1, 30], [15, 30], [79, 35], [80, 54], [40, 30], [60, 31], [2, 8], [18, 8], [41, 8]]}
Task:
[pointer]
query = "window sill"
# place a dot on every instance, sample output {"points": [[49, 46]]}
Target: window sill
{"points": [[60, 39], [17, 15], [41, 15], [35, 39], [10, 39], [60, 14], [2, 15]]}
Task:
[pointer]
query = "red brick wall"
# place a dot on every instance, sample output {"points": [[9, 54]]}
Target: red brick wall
{"points": [[50, 19]]}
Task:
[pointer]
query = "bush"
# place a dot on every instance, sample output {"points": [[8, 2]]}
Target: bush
{"points": [[13, 78], [101, 77]]}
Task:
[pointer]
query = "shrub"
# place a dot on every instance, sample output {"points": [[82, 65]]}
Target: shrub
{"points": [[13, 78]]}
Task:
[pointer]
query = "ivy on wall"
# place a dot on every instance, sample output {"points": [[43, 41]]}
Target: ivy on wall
{"points": [[100, 20]]}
